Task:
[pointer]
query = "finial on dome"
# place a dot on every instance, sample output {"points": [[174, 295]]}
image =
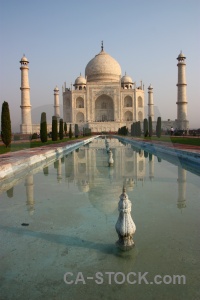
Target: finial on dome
{"points": [[80, 73], [101, 45], [125, 73]]}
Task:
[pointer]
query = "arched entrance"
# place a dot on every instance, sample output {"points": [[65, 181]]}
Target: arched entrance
{"points": [[104, 109]]}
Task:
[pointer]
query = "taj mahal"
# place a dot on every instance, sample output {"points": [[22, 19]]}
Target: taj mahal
{"points": [[104, 100]]}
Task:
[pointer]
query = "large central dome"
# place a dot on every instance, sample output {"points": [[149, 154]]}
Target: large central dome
{"points": [[103, 67]]}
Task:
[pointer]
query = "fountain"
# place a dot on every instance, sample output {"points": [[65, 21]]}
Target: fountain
{"points": [[110, 159], [125, 226]]}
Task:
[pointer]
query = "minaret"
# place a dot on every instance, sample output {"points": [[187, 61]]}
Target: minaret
{"points": [[182, 122], [150, 102], [56, 103], [26, 125]]}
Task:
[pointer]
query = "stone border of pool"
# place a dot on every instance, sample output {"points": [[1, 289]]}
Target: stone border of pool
{"points": [[14, 163], [189, 155]]}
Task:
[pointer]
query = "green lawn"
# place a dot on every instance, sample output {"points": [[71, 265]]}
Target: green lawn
{"points": [[174, 139], [16, 146], [20, 145]]}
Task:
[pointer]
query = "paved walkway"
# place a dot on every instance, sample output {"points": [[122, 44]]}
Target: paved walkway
{"points": [[18, 158]]}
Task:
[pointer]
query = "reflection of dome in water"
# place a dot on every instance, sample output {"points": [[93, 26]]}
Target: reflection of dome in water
{"points": [[103, 198]]}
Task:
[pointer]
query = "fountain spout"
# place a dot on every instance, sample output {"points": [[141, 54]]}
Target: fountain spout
{"points": [[125, 226]]}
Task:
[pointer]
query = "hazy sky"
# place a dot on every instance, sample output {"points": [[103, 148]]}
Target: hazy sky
{"points": [[59, 38]]}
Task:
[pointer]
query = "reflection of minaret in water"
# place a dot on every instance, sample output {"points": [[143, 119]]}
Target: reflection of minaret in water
{"points": [[29, 194], [59, 171], [151, 166], [181, 203]]}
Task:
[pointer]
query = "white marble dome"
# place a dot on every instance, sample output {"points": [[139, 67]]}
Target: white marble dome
{"points": [[126, 79], [103, 67], [80, 80], [181, 56], [24, 59]]}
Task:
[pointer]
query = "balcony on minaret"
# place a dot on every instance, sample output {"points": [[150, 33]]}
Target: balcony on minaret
{"points": [[181, 57], [24, 61]]}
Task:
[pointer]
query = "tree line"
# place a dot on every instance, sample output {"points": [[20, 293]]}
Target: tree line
{"points": [[147, 128]]}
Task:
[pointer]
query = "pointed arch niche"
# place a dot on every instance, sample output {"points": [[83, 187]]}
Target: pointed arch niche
{"points": [[128, 116], [104, 109], [140, 101], [79, 102], [128, 101]]}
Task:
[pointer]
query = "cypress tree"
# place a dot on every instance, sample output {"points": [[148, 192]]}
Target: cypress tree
{"points": [[139, 129], [61, 129], [54, 128], [131, 129], [70, 131], [158, 127], [150, 126], [76, 131], [5, 124], [134, 131], [65, 128], [145, 127], [43, 128]]}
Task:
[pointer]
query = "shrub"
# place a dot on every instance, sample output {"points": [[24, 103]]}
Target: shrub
{"points": [[43, 128], [76, 131], [5, 124], [65, 128], [158, 127], [54, 128], [70, 131], [146, 127], [61, 129], [34, 136]]}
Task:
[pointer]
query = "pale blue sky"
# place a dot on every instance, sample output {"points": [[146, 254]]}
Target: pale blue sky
{"points": [[60, 37]]}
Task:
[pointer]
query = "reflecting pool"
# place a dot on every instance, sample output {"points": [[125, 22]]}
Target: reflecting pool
{"points": [[62, 220]]}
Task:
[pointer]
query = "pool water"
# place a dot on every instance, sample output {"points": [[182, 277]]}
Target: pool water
{"points": [[62, 219]]}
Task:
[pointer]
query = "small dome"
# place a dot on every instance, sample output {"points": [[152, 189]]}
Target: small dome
{"points": [[150, 87], [24, 59], [181, 56], [80, 80], [56, 89], [103, 67], [126, 79]]}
